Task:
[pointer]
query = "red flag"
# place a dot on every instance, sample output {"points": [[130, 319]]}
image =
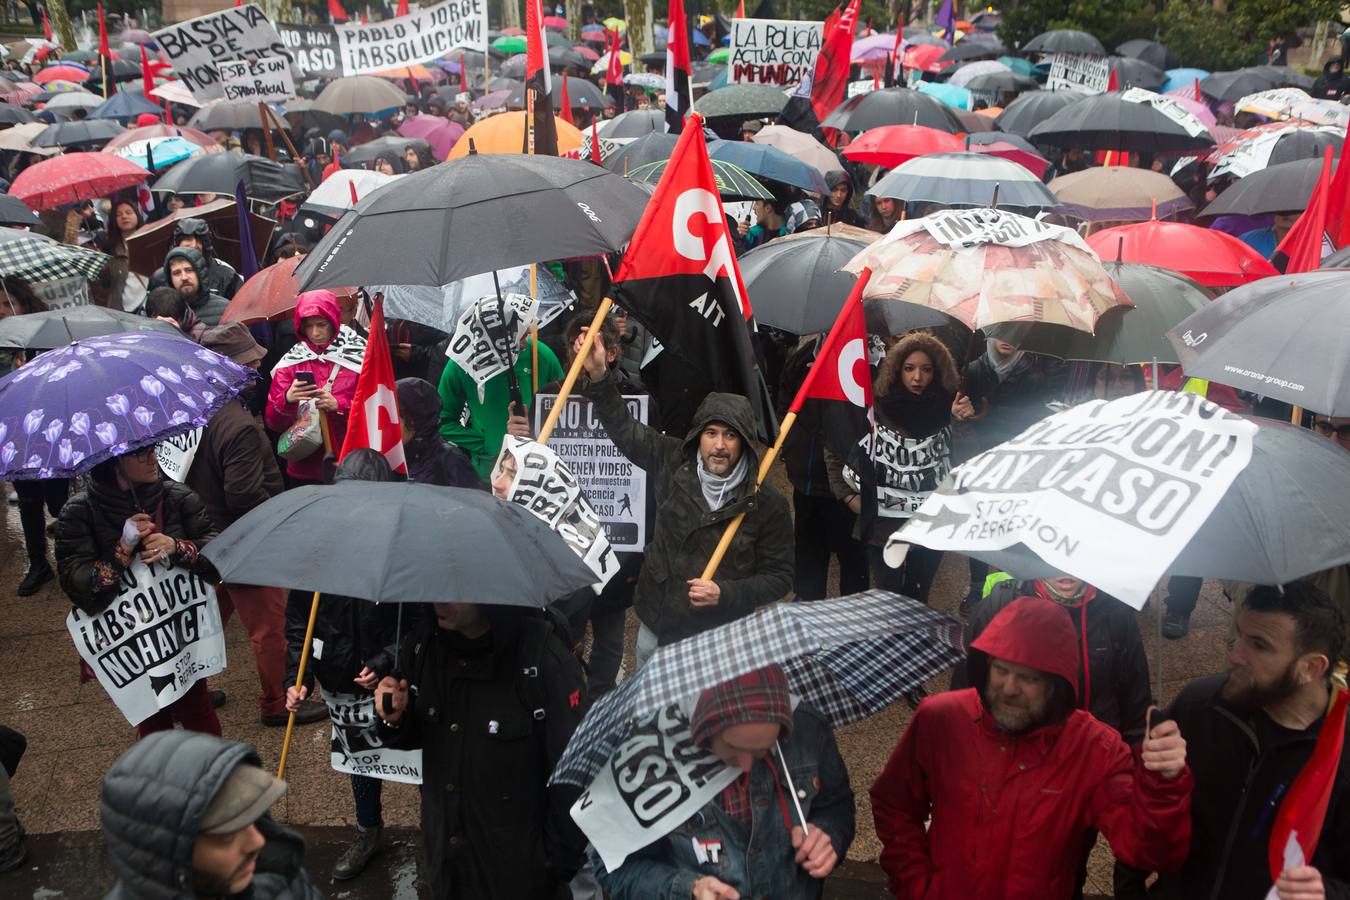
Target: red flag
{"points": [[1199, 97], [678, 78], [147, 76], [402, 8], [1306, 243], [1112, 82], [374, 421], [740, 9], [103, 49], [597, 156], [1299, 822], [1338, 206], [539, 78], [46, 28], [363, 19], [827, 86], [336, 12], [614, 73], [565, 103], [680, 279], [238, 3]]}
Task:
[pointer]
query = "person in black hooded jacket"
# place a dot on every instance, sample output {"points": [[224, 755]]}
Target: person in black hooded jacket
{"points": [[217, 275], [431, 458], [837, 208]]}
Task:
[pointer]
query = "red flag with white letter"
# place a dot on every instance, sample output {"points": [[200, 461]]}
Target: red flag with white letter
{"points": [[1298, 824], [374, 421]]}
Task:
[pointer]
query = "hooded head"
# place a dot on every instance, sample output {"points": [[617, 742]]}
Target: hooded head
{"points": [[198, 262], [195, 229], [1030, 633], [364, 464], [839, 180], [322, 304], [419, 407], [756, 705], [722, 440]]}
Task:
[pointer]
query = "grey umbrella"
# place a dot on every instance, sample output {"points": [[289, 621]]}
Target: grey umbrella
{"points": [[14, 211], [1065, 40], [1033, 108], [86, 131], [234, 115], [965, 179], [1131, 72], [359, 94], [1151, 52], [744, 101], [634, 124], [1283, 76], [794, 282], [399, 543], [1281, 188], [1235, 85], [389, 144], [58, 327], [1286, 337], [893, 106]]}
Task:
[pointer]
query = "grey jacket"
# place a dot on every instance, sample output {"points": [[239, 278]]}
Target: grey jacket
{"points": [[153, 797]]}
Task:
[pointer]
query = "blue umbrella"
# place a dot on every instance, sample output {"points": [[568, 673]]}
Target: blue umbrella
{"points": [[950, 94], [769, 162], [1181, 78], [162, 151], [701, 39], [124, 105], [74, 407]]}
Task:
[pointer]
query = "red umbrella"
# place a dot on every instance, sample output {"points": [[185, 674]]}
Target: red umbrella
{"points": [[586, 52], [1033, 163], [924, 57], [891, 145], [63, 72], [73, 177], [555, 22], [271, 294], [1213, 258], [145, 132]]}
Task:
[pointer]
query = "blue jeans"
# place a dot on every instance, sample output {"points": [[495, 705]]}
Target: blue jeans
{"points": [[366, 792]]}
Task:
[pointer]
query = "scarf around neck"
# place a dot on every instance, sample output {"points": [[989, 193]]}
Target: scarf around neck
{"points": [[717, 489], [1003, 366], [346, 349]]}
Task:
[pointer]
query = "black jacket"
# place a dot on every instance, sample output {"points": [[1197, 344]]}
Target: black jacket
{"points": [[353, 634], [1018, 401], [91, 525], [757, 568], [1243, 763], [155, 795], [1116, 684], [490, 826], [803, 449]]}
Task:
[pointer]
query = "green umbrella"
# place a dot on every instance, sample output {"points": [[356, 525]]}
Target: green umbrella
{"points": [[1126, 337], [80, 56], [1020, 66], [742, 100], [720, 55], [733, 182], [510, 43]]}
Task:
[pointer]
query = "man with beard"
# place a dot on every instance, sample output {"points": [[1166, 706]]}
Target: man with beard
{"points": [[992, 789], [1253, 730], [185, 271]]}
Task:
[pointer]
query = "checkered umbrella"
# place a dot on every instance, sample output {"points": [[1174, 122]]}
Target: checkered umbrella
{"points": [[850, 658], [34, 258]]}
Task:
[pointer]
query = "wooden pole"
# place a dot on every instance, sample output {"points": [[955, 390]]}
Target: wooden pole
{"points": [[267, 131], [286, 138], [1296, 416], [572, 373], [299, 680], [534, 330]]}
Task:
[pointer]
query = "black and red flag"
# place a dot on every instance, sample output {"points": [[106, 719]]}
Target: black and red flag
{"points": [[104, 51], [1298, 825], [678, 69], [835, 400], [539, 79], [614, 72], [817, 96], [680, 279]]}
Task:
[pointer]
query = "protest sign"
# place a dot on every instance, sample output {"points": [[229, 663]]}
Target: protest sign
{"points": [[1080, 71], [965, 228], [175, 454], [656, 780], [1109, 492], [356, 747], [615, 488], [545, 486], [1169, 107], [489, 333], [772, 51], [351, 48], [59, 293], [267, 79], [863, 86], [159, 635], [908, 470], [196, 46], [313, 49]]}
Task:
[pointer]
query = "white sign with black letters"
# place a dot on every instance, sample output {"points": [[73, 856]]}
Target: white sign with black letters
{"points": [[175, 454], [1078, 71], [356, 746], [773, 51], [908, 470], [489, 333], [267, 79], [403, 41], [197, 46], [154, 641]]}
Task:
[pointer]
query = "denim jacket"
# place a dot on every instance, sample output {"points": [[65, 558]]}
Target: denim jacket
{"points": [[757, 862]]}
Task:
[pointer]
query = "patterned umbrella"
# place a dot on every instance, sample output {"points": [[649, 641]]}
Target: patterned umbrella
{"points": [[64, 72], [34, 258], [983, 266], [162, 151], [733, 182], [1268, 145], [849, 657], [742, 100], [1275, 103], [74, 407], [73, 177]]}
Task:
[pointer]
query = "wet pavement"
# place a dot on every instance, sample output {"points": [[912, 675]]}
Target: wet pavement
{"points": [[74, 733]]}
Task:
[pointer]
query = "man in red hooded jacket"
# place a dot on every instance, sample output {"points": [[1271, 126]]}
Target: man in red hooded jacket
{"points": [[1012, 776]]}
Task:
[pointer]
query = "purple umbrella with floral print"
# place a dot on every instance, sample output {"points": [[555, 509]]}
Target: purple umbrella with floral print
{"points": [[71, 408]]}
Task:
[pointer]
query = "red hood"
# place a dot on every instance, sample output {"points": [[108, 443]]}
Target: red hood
{"points": [[317, 303], [1032, 632]]}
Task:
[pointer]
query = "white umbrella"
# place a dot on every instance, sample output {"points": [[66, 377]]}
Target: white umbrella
{"points": [[74, 100], [963, 76], [334, 195]]}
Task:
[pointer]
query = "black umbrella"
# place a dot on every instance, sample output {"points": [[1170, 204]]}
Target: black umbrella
{"points": [[236, 115], [794, 282], [14, 211], [1109, 122], [652, 59], [58, 327], [1286, 337], [399, 543], [1304, 143], [893, 106], [219, 173], [474, 214], [742, 101], [1283, 76], [1234, 85], [651, 147], [513, 67], [390, 143], [1065, 40], [1033, 108], [581, 94], [635, 124], [1136, 73], [85, 131], [703, 72], [979, 138], [1151, 52], [968, 50], [1002, 83], [566, 57], [14, 115], [1281, 188]]}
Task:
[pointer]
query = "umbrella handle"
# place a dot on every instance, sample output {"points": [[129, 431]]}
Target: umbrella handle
{"points": [[792, 789], [575, 371], [299, 680]]}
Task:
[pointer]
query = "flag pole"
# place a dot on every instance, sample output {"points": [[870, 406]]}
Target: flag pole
{"points": [[587, 342], [299, 680]]}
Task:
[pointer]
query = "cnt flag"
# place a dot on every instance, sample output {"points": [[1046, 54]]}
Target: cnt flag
{"points": [[614, 72], [680, 279], [539, 78], [1307, 242], [835, 400], [678, 69], [374, 421], [818, 94]]}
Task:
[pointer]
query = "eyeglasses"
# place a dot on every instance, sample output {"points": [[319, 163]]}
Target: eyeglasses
{"points": [[143, 454], [1326, 429]]}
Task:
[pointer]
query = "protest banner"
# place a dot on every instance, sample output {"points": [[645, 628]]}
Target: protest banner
{"points": [[159, 635], [545, 486], [196, 46], [267, 79], [908, 470], [615, 488], [59, 293], [773, 51], [1169, 107], [863, 86], [355, 745], [656, 780], [1080, 71], [393, 43], [313, 50], [1109, 492], [489, 333], [175, 454], [966, 228]]}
